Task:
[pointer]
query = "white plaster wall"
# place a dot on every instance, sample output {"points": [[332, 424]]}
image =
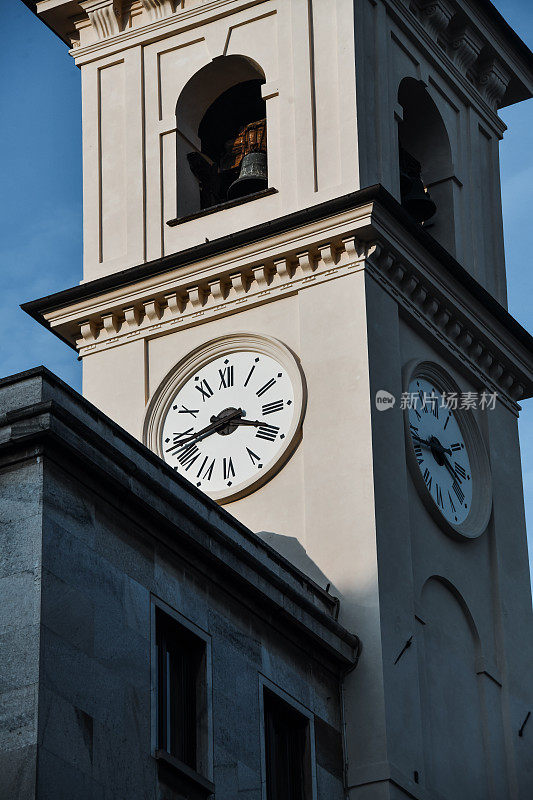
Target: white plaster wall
{"points": [[306, 52], [386, 53]]}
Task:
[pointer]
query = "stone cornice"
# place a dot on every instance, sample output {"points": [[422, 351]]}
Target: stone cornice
{"points": [[44, 418], [368, 237], [458, 51], [161, 19]]}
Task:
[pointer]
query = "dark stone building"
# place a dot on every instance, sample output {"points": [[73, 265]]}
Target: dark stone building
{"points": [[104, 552]]}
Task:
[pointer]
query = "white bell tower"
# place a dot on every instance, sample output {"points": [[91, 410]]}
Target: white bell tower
{"points": [[317, 183]]}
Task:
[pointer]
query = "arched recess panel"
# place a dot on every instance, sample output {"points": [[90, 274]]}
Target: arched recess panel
{"points": [[452, 710], [422, 135], [210, 108]]}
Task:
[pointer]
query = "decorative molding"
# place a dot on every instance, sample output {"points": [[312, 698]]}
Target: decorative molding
{"points": [[493, 79], [447, 323], [444, 314], [408, 15], [436, 15], [104, 15], [157, 9], [465, 46], [157, 22], [250, 285]]}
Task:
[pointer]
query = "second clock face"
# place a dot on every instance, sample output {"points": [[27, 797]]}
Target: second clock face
{"points": [[440, 451], [229, 422]]}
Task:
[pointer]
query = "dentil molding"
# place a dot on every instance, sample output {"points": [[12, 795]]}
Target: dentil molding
{"points": [[446, 315], [461, 42]]}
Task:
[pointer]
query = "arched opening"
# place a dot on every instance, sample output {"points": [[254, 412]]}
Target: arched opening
{"points": [[426, 167], [452, 700], [221, 135]]}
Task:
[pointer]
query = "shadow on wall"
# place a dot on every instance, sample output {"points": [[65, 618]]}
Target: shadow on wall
{"points": [[453, 700], [291, 549], [426, 166]]}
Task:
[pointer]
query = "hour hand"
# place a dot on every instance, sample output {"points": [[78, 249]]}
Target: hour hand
{"points": [[241, 421], [422, 441], [194, 437]]}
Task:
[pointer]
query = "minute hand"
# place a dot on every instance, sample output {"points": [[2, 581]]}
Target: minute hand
{"points": [[451, 470], [207, 431]]}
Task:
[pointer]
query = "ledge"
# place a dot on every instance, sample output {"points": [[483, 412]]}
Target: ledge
{"points": [[43, 417], [376, 195], [186, 778], [221, 207]]}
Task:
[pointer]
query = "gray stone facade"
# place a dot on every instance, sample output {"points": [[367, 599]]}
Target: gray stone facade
{"points": [[95, 531]]}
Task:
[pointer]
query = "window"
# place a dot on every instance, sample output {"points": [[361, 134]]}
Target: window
{"points": [[180, 690], [221, 137], [427, 177], [287, 751]]}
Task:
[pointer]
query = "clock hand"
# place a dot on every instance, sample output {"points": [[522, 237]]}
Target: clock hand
{"points": [[451, 470], [422, 441], [254, 422], [433, 442], [207, 431]]}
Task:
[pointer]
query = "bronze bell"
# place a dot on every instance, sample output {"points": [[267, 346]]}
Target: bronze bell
{"points": [[415, 197], [252, 177]]}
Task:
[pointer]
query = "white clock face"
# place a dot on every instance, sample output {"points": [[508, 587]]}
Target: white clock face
{"points": [[440, 451], [229, 422]]}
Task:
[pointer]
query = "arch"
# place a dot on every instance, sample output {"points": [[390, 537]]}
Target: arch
{"points": [[227, 85], [423, 136], [454, 591], [452, 700]]}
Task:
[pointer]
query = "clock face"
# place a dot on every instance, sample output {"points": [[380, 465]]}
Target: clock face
{"points": [[229, 422], [440, 451]]}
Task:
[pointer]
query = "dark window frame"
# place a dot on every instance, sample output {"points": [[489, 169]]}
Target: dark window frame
{"points": [[193, 759], [288, 745]]}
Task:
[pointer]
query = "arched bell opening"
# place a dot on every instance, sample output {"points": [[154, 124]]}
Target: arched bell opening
{"points": [[425, 163], [221, 139]]}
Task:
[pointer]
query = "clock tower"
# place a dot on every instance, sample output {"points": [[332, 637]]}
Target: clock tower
{"points": [[294, 292]]}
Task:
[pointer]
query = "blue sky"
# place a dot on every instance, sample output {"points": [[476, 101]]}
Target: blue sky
{"points": [[40, 202]]}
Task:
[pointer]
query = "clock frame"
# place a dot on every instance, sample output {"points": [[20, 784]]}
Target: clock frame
{"points": [[202, 356], [478, 517]]}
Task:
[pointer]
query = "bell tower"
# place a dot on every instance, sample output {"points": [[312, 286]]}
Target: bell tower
{"points": [[293, 236]]}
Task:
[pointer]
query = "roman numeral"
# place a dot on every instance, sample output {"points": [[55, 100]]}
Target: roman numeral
{"points": [[188, 456], [447, 420], [253, 456], [458, 491], [414, 428], [268, 432], [182, 435], [439, 495], [192, 411], [435, 408], [451, 502], [266, 387], [177, 437], [427, 478], [208, 472], [249, 376], [456, 446], [271, 408], [228, 469], [205, 390], [226, 377], [424, 404], [460, 470]]}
